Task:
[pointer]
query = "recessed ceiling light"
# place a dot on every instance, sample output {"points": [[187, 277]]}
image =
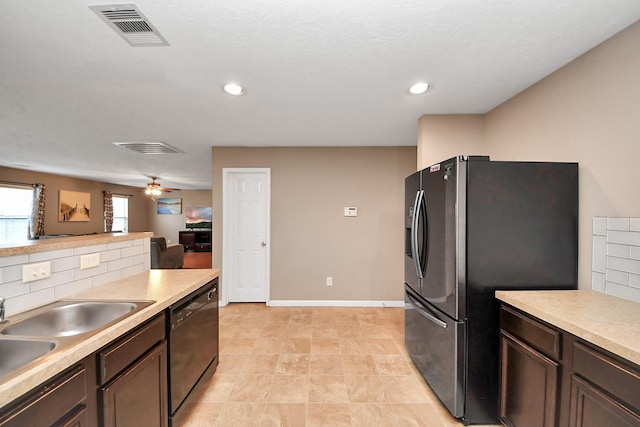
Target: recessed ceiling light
{"points": [[233, 89], [419, 88]]}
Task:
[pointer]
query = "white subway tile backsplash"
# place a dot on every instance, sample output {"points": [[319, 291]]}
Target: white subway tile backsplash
{"points": [[626, 292], [62, 291], [621, 224], [119, 245], [616, 270], [102, 279], [83, 250], [45, 256], [599, 254], [621, 264], [131, 251], [66, 263], [13, 260], [30, 300], [117, 261], [620, 251], [624, 237], [13, 289], [618, 277], [600, 226], [90, 272], [12, 273], [597, 281]]}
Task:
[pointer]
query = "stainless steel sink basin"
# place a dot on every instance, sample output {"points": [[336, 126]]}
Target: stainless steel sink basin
{"points": [[16, 353], [68, 318]]}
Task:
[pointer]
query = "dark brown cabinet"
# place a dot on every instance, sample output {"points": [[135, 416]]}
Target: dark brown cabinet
{"points": [[195, 240], [133, 378], [550, 378], [60, 401]]}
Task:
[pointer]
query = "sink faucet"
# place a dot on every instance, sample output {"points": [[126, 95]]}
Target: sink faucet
{"points": [[2, 319]]}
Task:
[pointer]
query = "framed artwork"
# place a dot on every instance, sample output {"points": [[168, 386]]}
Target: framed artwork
{"points": [[74, 206], [171, 206]]}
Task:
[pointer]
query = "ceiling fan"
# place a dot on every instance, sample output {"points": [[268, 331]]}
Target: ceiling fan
{"points": [[154, 189]]}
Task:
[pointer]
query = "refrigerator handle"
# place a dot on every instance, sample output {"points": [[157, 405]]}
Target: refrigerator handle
{"points": [[424, 311], [414, 233]]}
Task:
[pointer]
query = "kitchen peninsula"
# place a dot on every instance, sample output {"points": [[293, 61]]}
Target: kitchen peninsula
{"points": [[165, 287]]}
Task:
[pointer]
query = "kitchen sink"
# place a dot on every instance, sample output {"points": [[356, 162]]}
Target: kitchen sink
{"points": [[16, 353], [69, 318]]}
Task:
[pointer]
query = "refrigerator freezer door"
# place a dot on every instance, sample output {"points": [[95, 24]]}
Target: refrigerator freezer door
{"points": [[436, 346]]}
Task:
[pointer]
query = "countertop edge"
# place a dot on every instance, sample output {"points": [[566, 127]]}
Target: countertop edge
{"points": [[35, 246], [152, 281], [600, 319]]}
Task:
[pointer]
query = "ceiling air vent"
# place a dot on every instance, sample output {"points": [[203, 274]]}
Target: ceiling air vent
{"points": [[130, 24], [149, 147]]}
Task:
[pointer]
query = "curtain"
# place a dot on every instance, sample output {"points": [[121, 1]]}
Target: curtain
{"points": [[36, 219], [108, 212]]}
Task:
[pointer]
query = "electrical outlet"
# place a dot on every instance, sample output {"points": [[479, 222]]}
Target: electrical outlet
{"points": [[89, 261], [329, 281], [38, 271]]}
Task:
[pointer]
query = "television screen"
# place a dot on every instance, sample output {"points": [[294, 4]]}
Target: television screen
{"points": [[199, 217]]}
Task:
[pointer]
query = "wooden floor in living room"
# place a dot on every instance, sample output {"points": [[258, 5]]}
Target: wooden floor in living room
{"points": [[197, 259]]}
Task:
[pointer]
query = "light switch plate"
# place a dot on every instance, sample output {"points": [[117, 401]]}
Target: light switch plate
{"points": [[89, 261], [39, 271]]}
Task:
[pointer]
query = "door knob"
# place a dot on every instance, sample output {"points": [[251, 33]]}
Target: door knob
{"points": [[264, 244]]}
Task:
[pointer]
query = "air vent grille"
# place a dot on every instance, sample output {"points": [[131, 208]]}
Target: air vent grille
{"points": [[149, 147], [130, 24]]}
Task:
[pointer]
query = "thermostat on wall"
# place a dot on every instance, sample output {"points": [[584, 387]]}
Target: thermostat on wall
{"points": [[351, 211]]}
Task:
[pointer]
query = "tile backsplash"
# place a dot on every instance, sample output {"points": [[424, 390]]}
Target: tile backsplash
{"points": [[616, 257], [117, 261]]}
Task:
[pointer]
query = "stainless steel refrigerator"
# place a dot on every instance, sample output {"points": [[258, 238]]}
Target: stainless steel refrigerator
{"points": [[472, 226]]}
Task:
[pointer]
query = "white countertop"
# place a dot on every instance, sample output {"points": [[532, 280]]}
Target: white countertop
{"points": [[163, 286], [609, 322]]}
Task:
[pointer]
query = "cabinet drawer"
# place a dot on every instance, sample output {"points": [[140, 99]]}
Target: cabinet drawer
{"points": [[126, 350], [49, 402], [611, 375], [542, 338]]}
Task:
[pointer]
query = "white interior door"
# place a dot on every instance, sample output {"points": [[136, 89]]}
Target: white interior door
{"points": [[245, 272]]}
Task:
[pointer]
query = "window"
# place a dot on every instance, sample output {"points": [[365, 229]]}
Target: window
{"points": [[120, 213], [15, 208]]}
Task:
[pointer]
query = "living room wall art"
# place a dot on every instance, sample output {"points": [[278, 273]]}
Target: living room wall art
{"points": [[171, 206], [74, 206]]}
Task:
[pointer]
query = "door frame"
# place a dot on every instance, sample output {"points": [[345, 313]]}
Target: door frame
{"points": [[226, 173]]}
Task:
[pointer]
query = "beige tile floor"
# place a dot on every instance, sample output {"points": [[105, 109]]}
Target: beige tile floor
{"points": [[315, 366]]}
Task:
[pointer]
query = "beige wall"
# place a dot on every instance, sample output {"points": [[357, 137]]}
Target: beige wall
{"points": [[139, 204], [310, 237], [441, 137], [589, 112], [169, 225]]}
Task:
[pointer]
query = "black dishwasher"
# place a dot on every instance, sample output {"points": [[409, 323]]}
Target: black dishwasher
{"points": [[193, 348]]}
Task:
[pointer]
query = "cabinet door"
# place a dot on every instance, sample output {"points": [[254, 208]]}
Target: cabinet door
{"points": [[77, 419], [591, 407], [529, 385], [138, 397]]}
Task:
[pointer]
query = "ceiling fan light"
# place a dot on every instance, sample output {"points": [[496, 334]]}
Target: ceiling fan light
{"points": [[419, 88], [147, 191], [156, 192]]}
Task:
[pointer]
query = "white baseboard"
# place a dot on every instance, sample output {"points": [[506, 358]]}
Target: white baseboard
{"points": [[334, 303]]}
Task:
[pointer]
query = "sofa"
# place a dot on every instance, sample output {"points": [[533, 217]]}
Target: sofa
{"points": [[163, 256]]}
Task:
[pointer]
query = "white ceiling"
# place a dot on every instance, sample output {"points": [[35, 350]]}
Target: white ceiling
{"points": [[319, 73]]}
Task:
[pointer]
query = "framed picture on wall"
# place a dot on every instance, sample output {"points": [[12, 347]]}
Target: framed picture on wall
{"points": [[74, 206], [171, 206]]}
